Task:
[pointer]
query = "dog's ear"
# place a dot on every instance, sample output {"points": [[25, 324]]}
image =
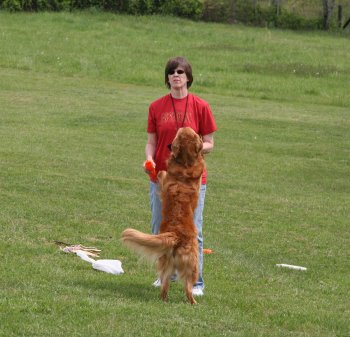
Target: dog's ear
{"points": [[175, 149]]}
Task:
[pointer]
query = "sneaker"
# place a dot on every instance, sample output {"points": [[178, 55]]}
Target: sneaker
{"points": [[197, 291], [157, 283]]}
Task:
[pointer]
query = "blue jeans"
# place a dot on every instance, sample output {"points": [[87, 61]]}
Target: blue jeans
{"points": [[156, 208]]}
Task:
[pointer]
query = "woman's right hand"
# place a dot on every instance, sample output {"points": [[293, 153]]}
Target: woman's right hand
{"points": [[149, 166]]}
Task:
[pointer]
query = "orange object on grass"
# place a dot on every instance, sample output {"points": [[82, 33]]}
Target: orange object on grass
{"points": [[151, 169], [207, 251]]}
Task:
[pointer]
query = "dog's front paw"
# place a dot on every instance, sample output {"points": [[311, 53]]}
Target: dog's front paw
{"points": [[161, 176]]}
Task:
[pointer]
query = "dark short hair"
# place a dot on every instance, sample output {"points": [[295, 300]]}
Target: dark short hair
{"points": [[176, 62]]}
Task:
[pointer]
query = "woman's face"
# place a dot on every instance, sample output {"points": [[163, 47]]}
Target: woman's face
{"points": [[177, 78]]}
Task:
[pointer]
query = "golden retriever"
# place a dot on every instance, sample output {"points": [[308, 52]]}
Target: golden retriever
{"points": [[175, 248]]}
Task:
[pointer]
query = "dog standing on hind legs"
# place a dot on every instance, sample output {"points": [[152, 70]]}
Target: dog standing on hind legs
{"points": [[175, 248]]}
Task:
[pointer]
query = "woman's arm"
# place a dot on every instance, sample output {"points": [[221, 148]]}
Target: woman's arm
{"points": [[151, 144], [208, 143]]}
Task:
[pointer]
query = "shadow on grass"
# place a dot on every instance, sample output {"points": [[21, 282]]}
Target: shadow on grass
{"points": [[130, 289]]}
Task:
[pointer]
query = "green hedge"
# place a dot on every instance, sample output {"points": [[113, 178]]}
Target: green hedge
{"points": [[34, 5], [244, 11], [241, 11], [184, 8]]}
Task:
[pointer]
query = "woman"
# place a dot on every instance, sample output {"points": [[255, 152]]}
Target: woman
{"points": [[166, 115]]}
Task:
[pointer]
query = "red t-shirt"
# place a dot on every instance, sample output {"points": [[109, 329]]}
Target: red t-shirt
{"points": [[164, 122]]}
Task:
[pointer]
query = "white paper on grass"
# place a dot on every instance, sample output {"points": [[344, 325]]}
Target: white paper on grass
{"points": [[108, 266]]}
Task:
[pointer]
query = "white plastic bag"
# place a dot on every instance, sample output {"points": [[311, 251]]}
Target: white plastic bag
{"points": [[108, 266]]}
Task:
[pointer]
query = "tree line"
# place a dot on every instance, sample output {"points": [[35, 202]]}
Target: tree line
{"points": [[271, 13]]}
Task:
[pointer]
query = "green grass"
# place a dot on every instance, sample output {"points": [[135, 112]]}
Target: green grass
{"points": [[74, 94]]}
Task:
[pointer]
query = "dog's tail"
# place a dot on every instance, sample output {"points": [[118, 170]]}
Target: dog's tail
{"points": [[150, 246]]}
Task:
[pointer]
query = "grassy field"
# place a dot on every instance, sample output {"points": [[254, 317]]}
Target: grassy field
{"points": [[74, 94]]}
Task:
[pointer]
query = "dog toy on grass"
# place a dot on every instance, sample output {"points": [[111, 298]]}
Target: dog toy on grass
{"points": [[69, 248], [207, 251], [290, 266], [149, 166], [108, 266]]}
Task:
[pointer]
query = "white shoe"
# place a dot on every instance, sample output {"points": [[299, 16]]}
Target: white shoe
{"points": [[157, 283], [197, 291]]}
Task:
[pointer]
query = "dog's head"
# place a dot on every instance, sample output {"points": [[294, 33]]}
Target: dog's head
{"points": [[186, 147]]}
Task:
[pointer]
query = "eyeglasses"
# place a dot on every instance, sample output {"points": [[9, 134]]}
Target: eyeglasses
{"points": [[179, 72]]}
